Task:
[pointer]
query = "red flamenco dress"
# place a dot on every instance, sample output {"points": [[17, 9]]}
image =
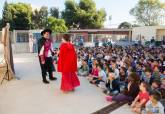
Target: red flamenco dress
{"points": [[67, 65]]}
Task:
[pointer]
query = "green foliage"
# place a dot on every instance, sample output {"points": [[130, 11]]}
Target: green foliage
{"points": [[125, 25], [149, 12], [57, 25], [44, 16], [135, 25], [79, 15], [6, 15], [70, 12], [87, 5], [18, 15], [36, 20], [84, 14], [39, 18], [54, 12]]}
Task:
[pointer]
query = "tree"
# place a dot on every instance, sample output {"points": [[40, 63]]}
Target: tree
{"points": [[39, 18], [84, 14], [70, 13], [18, 15], [57, 25], [89, 16], [44, 16], [54, 12], [87, 5], [125, 25], [135, 25], [149, 12], [6, 15], [36, 19]]}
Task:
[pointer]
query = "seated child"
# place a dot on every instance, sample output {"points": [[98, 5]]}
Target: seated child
{"points": [[155, 85], [141, 99], [112, 84], [163, 83], [94, 74], [153, 106], [162, 75], [101, 76], [84, 69], [123, 76], [130, 92]]}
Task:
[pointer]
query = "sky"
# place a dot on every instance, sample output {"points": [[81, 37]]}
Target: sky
{"points": [[118, 9]]}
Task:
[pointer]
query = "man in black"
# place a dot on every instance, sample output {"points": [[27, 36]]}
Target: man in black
{"points": [[45, 51]]}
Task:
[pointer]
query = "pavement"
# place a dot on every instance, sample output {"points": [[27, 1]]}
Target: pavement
{"points": [[28, 95]]}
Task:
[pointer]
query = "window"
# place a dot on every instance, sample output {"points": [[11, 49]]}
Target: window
{"points": [[22, 37], [37, 35]]}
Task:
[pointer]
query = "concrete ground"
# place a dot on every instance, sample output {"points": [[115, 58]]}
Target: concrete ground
{"points": [[125, 109], [29, 95]]}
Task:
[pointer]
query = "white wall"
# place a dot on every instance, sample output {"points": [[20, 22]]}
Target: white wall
{"points": [[17, 48], [20, 48], [147, 32]]}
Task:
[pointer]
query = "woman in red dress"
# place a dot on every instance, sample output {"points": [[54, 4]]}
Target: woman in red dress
{"points": [[67, 65]]}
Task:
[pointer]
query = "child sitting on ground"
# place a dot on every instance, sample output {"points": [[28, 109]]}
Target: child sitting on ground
{"points": [[130, 92], [155, 85], [163, 83], [112, 84], [101, 76], [153, 106], [141, 99], [84, 69], [94, 74]]}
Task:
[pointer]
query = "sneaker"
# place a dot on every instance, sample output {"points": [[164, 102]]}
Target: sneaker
{"points": [[109, 98]]}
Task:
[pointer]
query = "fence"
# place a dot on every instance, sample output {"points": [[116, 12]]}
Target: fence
{"points": [[20, 39]]}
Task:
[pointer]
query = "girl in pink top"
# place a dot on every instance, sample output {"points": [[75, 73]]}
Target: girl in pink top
{"points": [[94, 73]]}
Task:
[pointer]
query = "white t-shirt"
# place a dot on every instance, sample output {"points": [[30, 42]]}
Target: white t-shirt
{"points": [[103, 75], [107, 57], [158, 109], [116, 72], [79, 64]]}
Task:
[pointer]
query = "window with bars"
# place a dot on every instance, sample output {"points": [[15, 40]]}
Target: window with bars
{"points": [[22, 37]]}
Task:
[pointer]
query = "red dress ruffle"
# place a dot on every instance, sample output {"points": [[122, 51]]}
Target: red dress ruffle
{"points": [[69, 81]]}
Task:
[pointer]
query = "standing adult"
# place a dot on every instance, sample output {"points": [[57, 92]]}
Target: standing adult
{"points": [[31, 43], [67, 65], [45, 51], [34, 45]]}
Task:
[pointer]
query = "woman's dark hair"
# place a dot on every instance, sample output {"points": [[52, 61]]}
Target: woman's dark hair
{"points": [[66, 37], [157, 82], [100, 65], [148, 70], [134, 77], [110, 69]]}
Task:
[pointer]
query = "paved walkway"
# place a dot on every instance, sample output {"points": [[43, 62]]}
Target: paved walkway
{"points": [[30, 96]]}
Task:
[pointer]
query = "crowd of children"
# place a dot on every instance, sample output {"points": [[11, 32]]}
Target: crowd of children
{"points": [[135, 74]]}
